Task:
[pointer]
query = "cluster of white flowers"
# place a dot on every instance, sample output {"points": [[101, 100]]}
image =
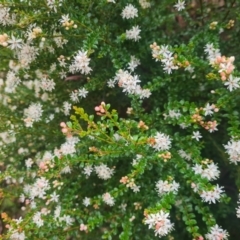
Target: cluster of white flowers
{"points": [[64, 219], [69, 147], [217, 233], [209, 171], [165, 187], [108, 199], [12, 81], [213, 195], [173, 114], [233, 150], [184, 155], [130, 183], [80, 63], [59, 40], [47, 84], [66, 108], [129, 12], [5, 17], [15, 235], [212, 52], [163, 54], [33, 32], [37, 219], [129, 83], [133, 33], [27, 55], [225, 66], [160, 222], [162, 142], [38, 189], [134, 62], [78, 93], [103, 171], [33, 114]]}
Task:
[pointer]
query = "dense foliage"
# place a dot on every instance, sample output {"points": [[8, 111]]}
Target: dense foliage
{"points": [[119, 119]]}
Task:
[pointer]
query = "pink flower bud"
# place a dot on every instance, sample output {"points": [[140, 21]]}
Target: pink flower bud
{"points": [[63, 124], [97, 109], [42, 165], [64, 130]]}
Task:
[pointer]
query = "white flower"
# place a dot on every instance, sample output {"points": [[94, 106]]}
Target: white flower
{"points": [[66, 170], [136, 188], [133, 33], [217, 233], [108, 199], [162, 142], [15, 43], [169, 66], [111, 83], [209, 48], [196, 135], [208, 109], [134, 62], [144, 4], [159, 222], [64, 19], [88, 170], [180, 5], [82, 93], [129, 12], [232, 83], [28, 162], [74, 96], [86, 201], [54, 197], [136, 160]]}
